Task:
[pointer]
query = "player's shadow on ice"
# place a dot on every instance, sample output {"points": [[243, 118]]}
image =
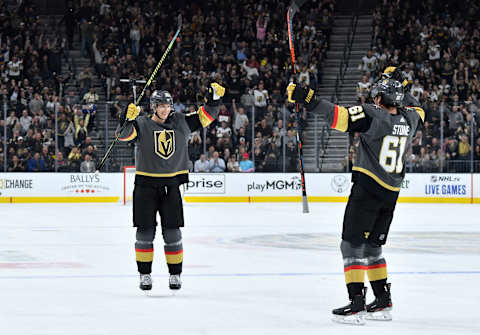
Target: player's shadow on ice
{"points": [[164, 296]]}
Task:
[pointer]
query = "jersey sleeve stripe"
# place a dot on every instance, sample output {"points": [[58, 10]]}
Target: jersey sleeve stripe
{"points": [[335, 117], [205, 118], [130, 137], [340, 118]]}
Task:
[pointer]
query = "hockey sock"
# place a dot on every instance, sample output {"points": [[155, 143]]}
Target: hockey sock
{"points": [[144, 256], [144, 249], [173, 250], [376, 269], [353, 267]]}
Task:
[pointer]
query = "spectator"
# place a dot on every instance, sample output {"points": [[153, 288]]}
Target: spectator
{"points": [[47, 159], [87, 166], [224, 130], [262, 23], [233, 166], [69, 135], [74, 159], [16, 165], [246, 165], [464, 148], [216, 164], [81, 124], [90, 97], [36, 163], [25, 121], [85, 79], [62, 163], [202, 165], [261, 98], [369, 62]]}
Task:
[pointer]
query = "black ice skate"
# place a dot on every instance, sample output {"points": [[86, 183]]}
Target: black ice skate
{"points": [[175, 282], [381, 307], [352, 313], [145, 282]]}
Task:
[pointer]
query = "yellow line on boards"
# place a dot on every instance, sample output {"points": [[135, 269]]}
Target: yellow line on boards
{"points": [[262, 199], [57, 199], [324, 199], [434, 200], [239, 199]]}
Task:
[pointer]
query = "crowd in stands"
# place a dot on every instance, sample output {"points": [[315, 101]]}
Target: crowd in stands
{"points": [[437, 44], [243, 45], [33, 88]]}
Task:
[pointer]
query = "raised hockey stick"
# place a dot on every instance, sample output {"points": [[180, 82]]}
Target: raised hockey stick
{"points": [[292, 10], [152, 76]]}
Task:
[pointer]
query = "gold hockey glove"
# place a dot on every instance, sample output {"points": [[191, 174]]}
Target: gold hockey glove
{"points": [[132, 112], [215, 92], [299, 94], [395, 73]]}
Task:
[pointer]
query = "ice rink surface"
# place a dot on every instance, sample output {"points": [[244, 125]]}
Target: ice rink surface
{"points": [[70, 269]]}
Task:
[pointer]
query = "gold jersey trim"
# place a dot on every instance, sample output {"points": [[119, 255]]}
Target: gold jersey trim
{"points": [[130, 137], [374, 177], [173, 174], [309, 96], [340, 118], [420, 112], [205, 118]]}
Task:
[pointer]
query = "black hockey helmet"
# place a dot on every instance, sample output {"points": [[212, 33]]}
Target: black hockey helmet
{"points": [[390, 90], [161, 97]]}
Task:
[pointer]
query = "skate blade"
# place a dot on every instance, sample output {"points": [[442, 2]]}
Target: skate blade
{"points": [[354, 319], [383, 315]]}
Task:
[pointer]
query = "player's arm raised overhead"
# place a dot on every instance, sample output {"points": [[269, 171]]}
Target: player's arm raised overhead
{"points": [[341, 118], [128, 132], [208, 112]]}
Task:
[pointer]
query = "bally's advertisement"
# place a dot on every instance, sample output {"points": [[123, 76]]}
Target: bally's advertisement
{"points": [[59, 187]]}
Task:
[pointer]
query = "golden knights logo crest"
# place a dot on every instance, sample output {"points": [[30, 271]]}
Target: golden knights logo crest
{"points": [[164, 143]]}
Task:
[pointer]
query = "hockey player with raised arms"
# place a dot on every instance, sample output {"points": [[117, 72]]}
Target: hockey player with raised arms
{"points": [[386, 129], [161, 167]]}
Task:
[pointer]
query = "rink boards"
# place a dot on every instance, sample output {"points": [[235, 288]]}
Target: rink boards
{"points": [[232, 187]]}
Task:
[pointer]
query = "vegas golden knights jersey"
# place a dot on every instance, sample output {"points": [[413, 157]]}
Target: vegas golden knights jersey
{"points": [[384, 138], [162, 148]]}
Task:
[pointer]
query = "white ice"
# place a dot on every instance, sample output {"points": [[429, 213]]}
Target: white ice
{"points": [[249, 269]]}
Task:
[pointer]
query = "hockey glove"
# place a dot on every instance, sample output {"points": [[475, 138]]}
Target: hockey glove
{"points": [[215, 92], [132, 112], [396, 73], [302, 95]]}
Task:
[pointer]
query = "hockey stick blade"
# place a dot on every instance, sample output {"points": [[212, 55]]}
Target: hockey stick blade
{"points": [[179, 21], [305, 204]]}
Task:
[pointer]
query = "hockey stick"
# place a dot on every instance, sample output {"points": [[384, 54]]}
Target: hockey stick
{"points": [[172, 41], [292, 10]]}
